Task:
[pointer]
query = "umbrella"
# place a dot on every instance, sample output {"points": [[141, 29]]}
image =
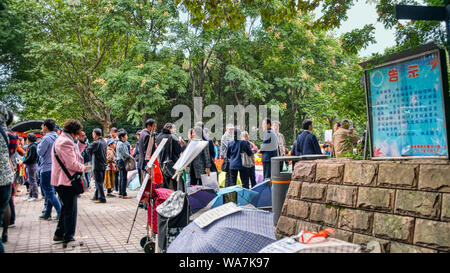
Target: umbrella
{"points": [[243, 196], [246, 231], [199, 197], [264, 198], [28, 125]]}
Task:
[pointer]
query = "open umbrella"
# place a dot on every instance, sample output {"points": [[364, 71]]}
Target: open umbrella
{"points": [[199, 197], [245, 231], [264, 198], [237, 194]]}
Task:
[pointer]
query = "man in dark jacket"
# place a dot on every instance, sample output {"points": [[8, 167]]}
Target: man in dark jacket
{"points": [[169, 154], [307, 143], [97, 150], [269, 147], [147, 136]]}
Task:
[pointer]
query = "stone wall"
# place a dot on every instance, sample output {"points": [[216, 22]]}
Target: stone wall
{"points": [[404, 205]]}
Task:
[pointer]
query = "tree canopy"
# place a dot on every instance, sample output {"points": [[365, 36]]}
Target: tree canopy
{"points": [[112, 62]]}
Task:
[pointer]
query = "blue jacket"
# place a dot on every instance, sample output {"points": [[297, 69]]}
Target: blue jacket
{"points": [[44, 150], [307, 144], [269, 147], [234, 150]]}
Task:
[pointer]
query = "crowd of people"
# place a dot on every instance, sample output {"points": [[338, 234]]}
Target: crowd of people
{"points": [[51, 162]]}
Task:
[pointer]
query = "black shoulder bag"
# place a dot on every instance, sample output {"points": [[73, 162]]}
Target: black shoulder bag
{"points": [[76, 179]]}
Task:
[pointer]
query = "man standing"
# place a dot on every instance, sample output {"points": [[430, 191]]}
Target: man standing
{"points": [[44, 151], [147, 145], [269, 147], [307, 143], [6, 173], [344, 139], [97, 150]]}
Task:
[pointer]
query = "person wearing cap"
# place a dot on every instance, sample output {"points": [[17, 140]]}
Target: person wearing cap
{"points": [[111, 166]]}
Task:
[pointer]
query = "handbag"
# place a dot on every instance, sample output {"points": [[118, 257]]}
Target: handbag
{"points": [[247, 161], [76, 179], [130, 164], [210, 180]]}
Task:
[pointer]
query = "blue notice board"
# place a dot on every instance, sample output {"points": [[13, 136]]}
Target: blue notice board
{"points": [[406, 101]]}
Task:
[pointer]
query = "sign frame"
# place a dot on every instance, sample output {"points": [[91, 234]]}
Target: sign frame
{"points": [[397, 59]]}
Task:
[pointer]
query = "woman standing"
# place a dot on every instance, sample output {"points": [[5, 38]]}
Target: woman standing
{"points": [[202, 163], [250, 171], [234, 151], [122, 155], [68, 152], [30, 161]]}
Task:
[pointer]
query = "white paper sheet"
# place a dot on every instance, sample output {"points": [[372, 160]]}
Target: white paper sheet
{"points": [[212, 215]]}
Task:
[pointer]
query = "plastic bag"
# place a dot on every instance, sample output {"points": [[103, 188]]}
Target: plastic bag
{"points": [[210, 180]]}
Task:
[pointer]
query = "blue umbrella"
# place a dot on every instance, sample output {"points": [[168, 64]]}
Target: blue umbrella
{"points": [[246, 231], [199, 197], [264, 198], [244, 196]]}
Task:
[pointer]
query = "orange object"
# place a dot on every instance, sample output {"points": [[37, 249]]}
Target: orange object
{"points": [[280, 182], [323, 233]]}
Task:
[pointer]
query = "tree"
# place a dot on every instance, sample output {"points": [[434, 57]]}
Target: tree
{"points": [[72, 46]]}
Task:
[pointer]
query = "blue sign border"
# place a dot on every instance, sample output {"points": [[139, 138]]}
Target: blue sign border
{"points": [[401, 58]]}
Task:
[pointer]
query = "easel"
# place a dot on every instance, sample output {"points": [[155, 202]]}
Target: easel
{"points": [[150, 165]]}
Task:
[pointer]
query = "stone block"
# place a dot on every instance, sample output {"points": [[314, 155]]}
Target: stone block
{"points": [[313, 191], [393, 227], [435, 178], [432, 234], [324, 214], [297, 209], [356, 220], [286, 225], [376, 199], [330, 173], [418, 203], [294, 190], [304, 225], [445, 207], [304, 171], [397, 247], [340, 234], [398, 175], [361, 174], [361, 239], [342, 195]]}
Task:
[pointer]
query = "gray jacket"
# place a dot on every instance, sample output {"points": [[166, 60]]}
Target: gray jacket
{"points": [[122, 152], [6, 174]]}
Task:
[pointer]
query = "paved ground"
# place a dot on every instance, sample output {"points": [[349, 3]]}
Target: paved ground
{"points": [[103, 228]]}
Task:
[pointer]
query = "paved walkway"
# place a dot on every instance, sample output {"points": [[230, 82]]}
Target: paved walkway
{"points": [[103, 228]]}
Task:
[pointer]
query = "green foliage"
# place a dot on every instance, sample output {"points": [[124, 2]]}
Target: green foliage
{"points": [[119, 62]]}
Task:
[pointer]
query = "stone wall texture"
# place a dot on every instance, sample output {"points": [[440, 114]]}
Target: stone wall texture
{"points": [[404, 205]]}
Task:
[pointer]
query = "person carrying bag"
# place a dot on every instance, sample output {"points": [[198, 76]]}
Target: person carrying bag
{"points": [[75, 179]]}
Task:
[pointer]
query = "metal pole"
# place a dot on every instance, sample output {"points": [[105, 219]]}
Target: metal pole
{"points": [[134, 220]]}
